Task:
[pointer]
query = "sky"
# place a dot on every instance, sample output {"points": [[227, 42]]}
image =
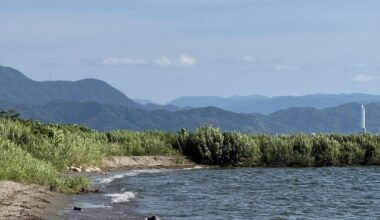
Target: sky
{"points": [[164, 49]]}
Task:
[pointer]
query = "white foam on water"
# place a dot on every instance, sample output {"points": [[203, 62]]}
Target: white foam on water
{"points": [[193, 168], [93, 206], [110, 179], [87, 205], [122, 197]]}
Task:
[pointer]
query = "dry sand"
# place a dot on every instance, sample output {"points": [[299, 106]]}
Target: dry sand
{"points": [[22, 201], [145, 162]]}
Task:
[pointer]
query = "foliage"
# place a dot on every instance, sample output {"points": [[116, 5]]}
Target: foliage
{"points": [[39, 153], [132, 143], [61, 145], [208, 145]]}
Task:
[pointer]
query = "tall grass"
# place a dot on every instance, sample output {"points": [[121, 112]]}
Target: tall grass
{"points": [[18, 165], [39, 153], [61, 145], [132, 143], [210, 146]]}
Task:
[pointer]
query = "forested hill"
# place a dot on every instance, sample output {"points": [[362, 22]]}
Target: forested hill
{"points": [[341, 119], [15, 87], [97, 105], [268, 105]]}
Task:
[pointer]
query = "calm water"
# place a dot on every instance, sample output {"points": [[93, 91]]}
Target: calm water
{"points": [[245, 193]]}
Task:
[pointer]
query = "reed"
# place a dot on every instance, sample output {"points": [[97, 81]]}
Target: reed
{"points": [[39, 153]]}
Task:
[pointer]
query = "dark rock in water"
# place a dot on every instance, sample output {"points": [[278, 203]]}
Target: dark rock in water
{"points": [[94, 190], [77, 208], [153, 218]]}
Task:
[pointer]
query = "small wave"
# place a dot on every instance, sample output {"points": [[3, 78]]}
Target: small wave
{"points": [[122, 197], [91, 206], [193, 168], [110, 179], [129, 173]]}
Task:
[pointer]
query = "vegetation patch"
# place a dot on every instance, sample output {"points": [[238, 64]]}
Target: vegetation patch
{"points": [[39, 153]]}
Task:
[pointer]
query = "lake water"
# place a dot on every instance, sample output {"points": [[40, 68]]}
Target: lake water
{"points": [[243, 193]]}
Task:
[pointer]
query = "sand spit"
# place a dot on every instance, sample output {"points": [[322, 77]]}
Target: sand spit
{"points": [[145, 162], [21, 201]]}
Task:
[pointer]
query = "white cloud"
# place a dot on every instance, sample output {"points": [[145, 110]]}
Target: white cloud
{"points": [[163, 61], [112, 61], [185, 60], [364, 78], [287, 68], [249, 59]]}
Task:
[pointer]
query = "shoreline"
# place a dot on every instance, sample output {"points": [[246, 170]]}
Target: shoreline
{"points": [[35, 202], [138, 162], [30, 201]]}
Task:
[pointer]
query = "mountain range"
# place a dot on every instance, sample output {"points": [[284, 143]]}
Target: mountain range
{"points": [[98, 105], [267, 105]]}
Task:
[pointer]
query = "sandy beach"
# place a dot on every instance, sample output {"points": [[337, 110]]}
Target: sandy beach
{"points": [[28, 201]]}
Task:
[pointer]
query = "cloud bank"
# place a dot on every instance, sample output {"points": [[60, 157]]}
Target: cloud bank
{"points": [[183, 60], [112, 61], [163, 61], [364, 78]]}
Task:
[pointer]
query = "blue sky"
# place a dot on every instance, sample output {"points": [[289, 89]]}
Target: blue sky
{"points": [[163, 49]]}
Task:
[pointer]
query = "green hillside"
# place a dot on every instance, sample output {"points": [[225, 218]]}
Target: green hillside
{"points": [[95, 104], [17, 88]]}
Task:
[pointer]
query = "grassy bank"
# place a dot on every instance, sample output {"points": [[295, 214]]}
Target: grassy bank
{"points": [[210, 146], [39, 153]]}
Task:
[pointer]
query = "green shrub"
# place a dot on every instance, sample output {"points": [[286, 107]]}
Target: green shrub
{"points": [[351, 153], [204, 145], [275, 150], [326, 151], [238, 148], [302, 151]]}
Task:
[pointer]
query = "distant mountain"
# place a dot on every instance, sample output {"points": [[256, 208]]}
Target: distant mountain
{"points": [[342, 119], [107, 117], [266, 105], [17, 88], [96, 104], [145, 101], [171, 108], [205, 101]]}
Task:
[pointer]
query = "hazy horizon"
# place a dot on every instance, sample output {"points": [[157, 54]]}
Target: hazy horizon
{"points": [[164, 49]]}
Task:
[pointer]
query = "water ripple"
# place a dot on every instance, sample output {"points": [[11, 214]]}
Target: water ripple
{"points": [[250, 193]]}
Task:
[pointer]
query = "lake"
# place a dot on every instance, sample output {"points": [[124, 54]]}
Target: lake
{"points": [[240, 193]]}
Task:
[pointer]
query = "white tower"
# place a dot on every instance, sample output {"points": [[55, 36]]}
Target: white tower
{"points": [[362, 123]]}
